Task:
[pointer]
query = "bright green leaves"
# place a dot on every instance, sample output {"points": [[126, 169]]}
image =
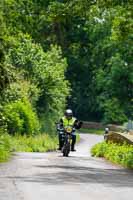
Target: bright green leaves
{"points": [[122, 24], [45, 74], [94, 36], [120, 154], [43, 69], [18, 15], [20, 118], [39, 76]]}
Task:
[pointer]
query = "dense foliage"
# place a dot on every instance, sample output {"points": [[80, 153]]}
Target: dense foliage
{"points": [[39, 143], [5, 146], [18, 143], [119, 154], [59, 53]]}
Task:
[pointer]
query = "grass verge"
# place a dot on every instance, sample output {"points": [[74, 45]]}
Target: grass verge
{"points": [[5, 147], [92, 131], [39, 143], [119, 154], [18, 143]]}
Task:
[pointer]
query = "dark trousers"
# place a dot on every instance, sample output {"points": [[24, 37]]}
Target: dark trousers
{"points": [[73, 141]]}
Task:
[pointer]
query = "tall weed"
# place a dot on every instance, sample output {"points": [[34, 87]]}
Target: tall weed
{"points": [[39, 143], [5, 146], [120, 154]]}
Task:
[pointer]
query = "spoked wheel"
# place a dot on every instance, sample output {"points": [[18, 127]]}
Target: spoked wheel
{"points": [[66, 150]]}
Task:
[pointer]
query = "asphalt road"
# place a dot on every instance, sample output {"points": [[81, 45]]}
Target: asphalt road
{"points": [[49, 176]]}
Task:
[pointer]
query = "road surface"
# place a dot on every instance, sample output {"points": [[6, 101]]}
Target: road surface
{"points": [[49, 176]]}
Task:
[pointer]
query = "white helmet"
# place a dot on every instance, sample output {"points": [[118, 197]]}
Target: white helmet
{"points": [[68, 113]]}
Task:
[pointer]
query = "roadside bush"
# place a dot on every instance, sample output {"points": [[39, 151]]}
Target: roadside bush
{"points": [[20, 118], [5, 146], [120, 154], [19, 90], [19, 143], [46, 71], [38, 143]]}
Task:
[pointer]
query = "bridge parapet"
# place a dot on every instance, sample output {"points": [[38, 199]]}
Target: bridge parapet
{"points": [[118, 137]]}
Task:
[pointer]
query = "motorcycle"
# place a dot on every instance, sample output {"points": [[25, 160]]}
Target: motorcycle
{"points": [[66, 138]]}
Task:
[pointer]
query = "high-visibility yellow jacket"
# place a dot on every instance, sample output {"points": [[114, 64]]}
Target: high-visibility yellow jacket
{"points": [[69, 122]]}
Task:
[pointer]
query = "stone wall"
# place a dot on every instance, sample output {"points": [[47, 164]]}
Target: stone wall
{"points": [[120, 138]]}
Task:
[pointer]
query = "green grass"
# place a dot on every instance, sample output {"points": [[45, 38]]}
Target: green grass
{"points": [[77, 137], [5, 147], [18, 143], [119, 154], [92, 131], [39, 143]]}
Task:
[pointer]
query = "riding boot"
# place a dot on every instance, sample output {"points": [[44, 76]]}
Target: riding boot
{"points": [[72, 148]]}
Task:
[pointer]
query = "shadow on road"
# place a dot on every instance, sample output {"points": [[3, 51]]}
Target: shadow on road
{"points": [[59, 175]]}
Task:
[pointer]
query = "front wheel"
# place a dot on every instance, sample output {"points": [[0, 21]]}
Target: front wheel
{"points": [[66, 150]]}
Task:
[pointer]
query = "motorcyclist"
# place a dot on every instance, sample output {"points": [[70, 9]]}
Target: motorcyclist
{"points": [[69, 120]]}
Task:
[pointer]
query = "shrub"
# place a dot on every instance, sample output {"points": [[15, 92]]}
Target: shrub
{"points": [[38, 143], [5, 146], [21, 118], [120, 154], [46, 71], [19, 143], [19, 90]]}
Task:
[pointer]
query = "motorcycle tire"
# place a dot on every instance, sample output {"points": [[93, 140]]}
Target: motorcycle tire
{"points": [[66, 150]]}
